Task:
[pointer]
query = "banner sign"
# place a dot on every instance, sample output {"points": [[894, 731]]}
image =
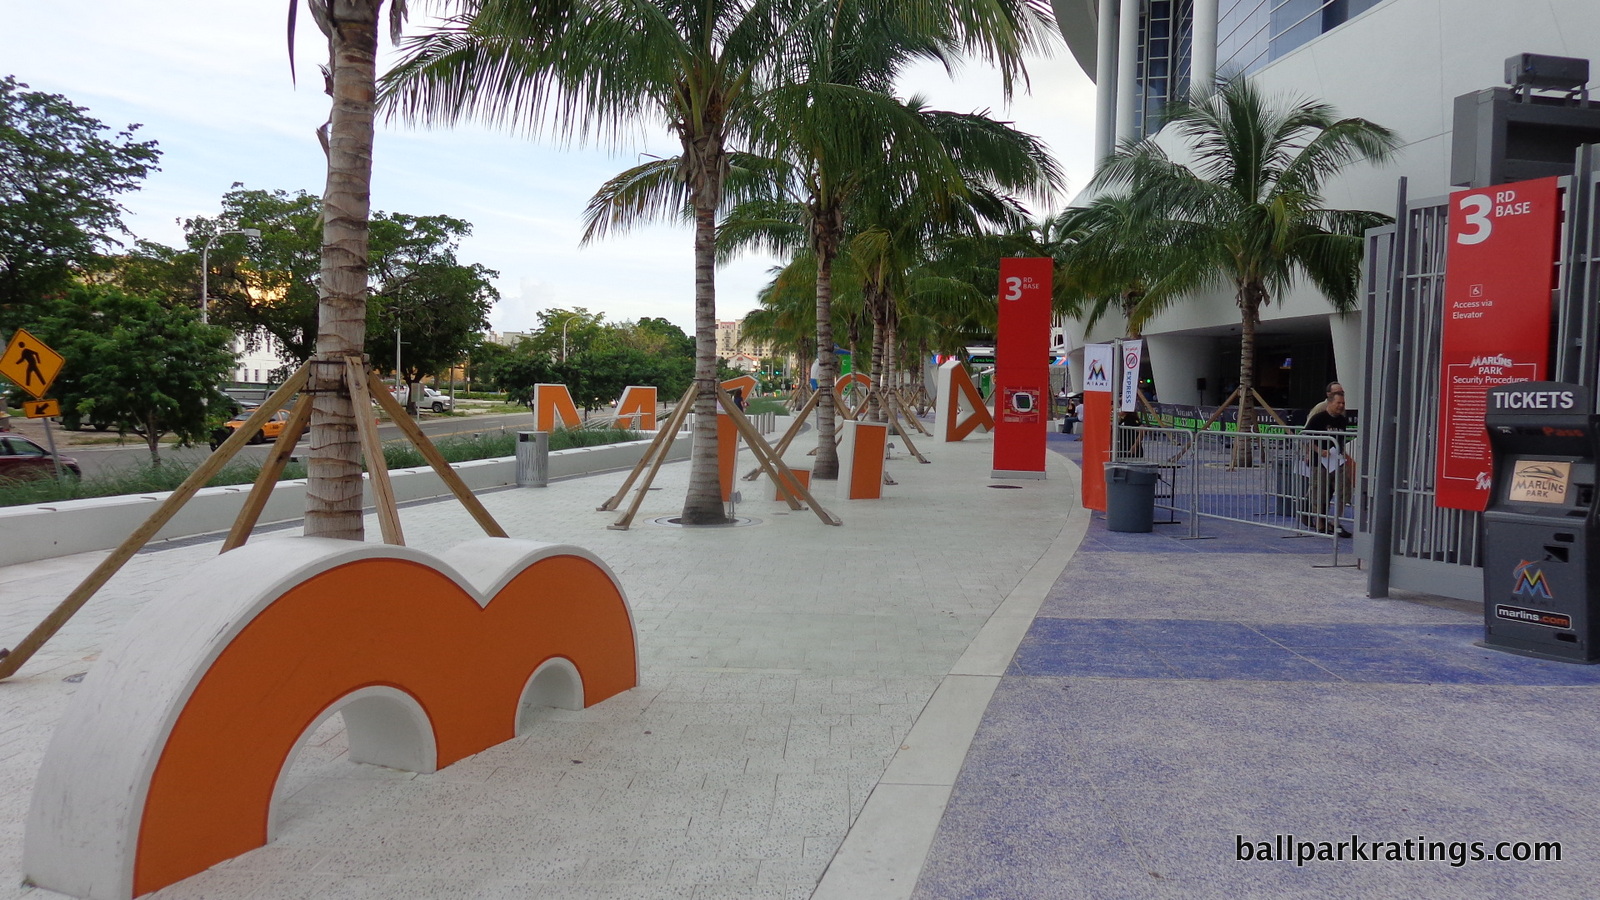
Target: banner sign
{"points": [[1499, 272], [1097, 367], [1022, 367], [1132, 356], [1099, 362]]}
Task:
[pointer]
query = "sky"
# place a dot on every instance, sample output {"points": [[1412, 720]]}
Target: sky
{"points": [[210, 82]]}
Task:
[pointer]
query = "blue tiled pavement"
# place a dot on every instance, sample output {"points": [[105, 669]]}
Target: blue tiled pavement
{"points": [[1173, 698]]}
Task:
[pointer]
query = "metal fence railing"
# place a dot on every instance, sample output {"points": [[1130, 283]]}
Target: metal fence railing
{"points": [[1281, 481]]}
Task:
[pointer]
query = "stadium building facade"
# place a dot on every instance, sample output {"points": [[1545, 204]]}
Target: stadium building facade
{"points": [[1399, 63]]}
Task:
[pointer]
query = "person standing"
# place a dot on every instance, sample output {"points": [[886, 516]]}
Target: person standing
{"points": [[1330, 465]]}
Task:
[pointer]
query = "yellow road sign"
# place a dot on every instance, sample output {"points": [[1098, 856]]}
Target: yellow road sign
{"points": [[30, 363], [41, 409]]}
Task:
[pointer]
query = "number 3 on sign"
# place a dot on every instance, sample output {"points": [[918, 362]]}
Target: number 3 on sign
{"points": [[1013, 288], [1477, 207]]}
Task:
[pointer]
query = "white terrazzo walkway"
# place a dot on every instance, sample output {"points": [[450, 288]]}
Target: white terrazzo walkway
{"points": [[783, 668]]}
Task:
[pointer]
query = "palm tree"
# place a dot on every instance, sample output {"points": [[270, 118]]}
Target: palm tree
{"points": [[839, 127], [1248, 210], [910, 214], [590, 70], [334, 491]]}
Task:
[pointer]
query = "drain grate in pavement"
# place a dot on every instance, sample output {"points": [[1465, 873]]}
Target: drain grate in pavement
{"points": [[677, 522]]}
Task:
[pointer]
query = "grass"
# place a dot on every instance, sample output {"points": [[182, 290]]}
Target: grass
{"points": [[148, 479], [765, 405]]}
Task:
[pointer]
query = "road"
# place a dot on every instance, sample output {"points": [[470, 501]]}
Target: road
{"points": [[95, 459]]}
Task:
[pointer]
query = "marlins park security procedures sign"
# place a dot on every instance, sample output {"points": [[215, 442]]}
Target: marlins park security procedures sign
{"points": [[1499, 271]]}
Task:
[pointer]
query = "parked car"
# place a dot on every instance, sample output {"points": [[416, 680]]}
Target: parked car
{"points": [[22, 459], [429, 399], [267, 432]]}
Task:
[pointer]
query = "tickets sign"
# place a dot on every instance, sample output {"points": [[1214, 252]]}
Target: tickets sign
{"points": [[1499, 272]]}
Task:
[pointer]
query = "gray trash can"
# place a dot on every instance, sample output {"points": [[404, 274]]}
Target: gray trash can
{"points": [[533, 459], [1131, 497]]}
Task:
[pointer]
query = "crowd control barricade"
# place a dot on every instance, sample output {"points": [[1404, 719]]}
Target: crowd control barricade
{"points": [[1276, 481]]}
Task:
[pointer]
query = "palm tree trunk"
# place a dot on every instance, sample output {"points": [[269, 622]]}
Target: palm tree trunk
{"points": [[877, 303], [826, 465], [1247, 362], [891, 367], [703, 503], [334, 488], [1250, 298]]}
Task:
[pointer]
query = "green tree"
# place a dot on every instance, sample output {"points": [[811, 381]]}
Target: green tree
{"points": [[61, 172], [654, 336], [841, 132], [438, 305], [484, 358], [563, 333], [593, 71], [268, 286], [137, 364], [1250, 205]]}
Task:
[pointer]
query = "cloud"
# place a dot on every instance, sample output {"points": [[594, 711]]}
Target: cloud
{"points": [[210, 82]]}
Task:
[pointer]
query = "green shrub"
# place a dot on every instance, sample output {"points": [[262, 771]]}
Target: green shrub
{"points": [[765, 405], [150, 479]]}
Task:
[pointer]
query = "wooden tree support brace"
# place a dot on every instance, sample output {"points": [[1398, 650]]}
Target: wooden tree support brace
{"points": [[896, 413], [1268, 407], [372, 448], [271, 471], [413, 432], [12, 660], [662, 445], [788, 484], [915, 422], [665, 435], [789, 435], [1220, 410], [758, 447], [1151, 410]]}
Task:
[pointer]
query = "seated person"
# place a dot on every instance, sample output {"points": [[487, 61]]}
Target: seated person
{"points": [[1070, 420]]}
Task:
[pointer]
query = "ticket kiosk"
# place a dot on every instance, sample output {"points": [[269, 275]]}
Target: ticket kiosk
{"points": [[1539, 531]]}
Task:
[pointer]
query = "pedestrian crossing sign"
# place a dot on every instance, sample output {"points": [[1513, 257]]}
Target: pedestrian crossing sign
{"points": [[30, 363], [42, 409]]}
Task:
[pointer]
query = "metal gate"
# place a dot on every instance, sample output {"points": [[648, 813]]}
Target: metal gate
{"points": [[1408, 541]]}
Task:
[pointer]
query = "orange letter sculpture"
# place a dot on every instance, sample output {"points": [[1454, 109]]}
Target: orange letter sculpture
{"points": [[845, 382], [168, 759], [742, 383], [861, 459], [553, 408], [638, 406], [955, 391]]}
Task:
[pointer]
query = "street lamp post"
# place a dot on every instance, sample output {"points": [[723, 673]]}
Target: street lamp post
{"points": [[564, 338], [205, 267]]}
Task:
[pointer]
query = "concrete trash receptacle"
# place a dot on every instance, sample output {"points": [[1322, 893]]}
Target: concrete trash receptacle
{"points": [[1131, 498]]}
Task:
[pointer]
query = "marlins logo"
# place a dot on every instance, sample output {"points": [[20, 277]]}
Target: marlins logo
{"points": [[1097, 372], [1530, 582]]}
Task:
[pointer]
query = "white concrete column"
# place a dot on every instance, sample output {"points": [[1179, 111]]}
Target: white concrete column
{"points": [[1178, 361], [1345, 330], [1105, 80], [1203, 48], [1127, 67]]}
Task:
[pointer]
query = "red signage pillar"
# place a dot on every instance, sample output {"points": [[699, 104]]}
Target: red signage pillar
{"points": [[1499, 272], [1098, 365], [1022, 368]]}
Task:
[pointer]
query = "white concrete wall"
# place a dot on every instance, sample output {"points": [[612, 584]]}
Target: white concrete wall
{"points": [[1400, 64], [29, 533]]}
